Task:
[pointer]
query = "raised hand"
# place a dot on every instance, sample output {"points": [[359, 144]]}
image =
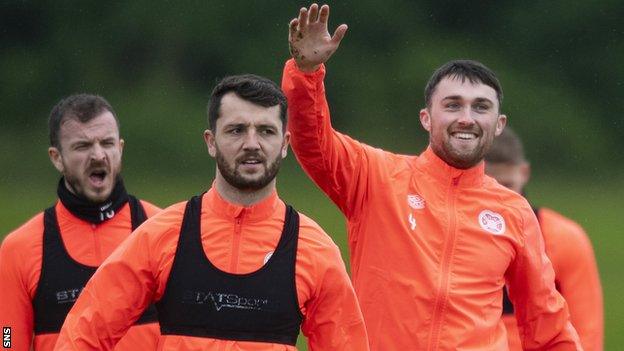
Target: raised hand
{"points": [[309, 40]]}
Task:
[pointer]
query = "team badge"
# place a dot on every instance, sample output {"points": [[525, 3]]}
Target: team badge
{"points": [[415, 201], [492, 222]]}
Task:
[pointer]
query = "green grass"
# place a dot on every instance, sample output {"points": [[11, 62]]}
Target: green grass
{"points": [[594, 203]]}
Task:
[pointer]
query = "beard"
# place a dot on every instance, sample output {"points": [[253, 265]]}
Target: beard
{"points": [[237, 180], [463, 159]]}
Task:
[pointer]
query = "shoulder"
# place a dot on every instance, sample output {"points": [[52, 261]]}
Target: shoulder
{"points": [[150, 208], [28, 235], [164, 221], [557, 225], [314, 240]]}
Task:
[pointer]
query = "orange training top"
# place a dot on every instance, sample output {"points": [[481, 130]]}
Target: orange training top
{"points": [[576, 277], [237, 240], [431, 246], [86, 243]]}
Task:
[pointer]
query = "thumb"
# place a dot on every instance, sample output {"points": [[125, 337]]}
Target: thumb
{"points": [[339, 33]]}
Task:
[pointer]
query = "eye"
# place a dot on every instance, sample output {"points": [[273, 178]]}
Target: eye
{"points": [[81, 147], [235, 130], [481, 107], [268, 131], [453, 106]]}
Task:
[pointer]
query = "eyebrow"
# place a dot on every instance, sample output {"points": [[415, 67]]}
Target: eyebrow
{"points": [[459, 97]]}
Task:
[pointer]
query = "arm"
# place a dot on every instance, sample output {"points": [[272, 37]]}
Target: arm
{"points": [[334, 161], [113, 299], [16, 311], [542, 314], [333, 319], [579, 283]]}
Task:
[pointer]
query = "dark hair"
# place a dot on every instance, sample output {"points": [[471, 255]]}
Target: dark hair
{"points": [[258, 90], [506, 148], [474, 71], [82, 107]]}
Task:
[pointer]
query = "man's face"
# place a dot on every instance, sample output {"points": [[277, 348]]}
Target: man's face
{"points": [[89, 156], [512, 176], [462, 121], [248, 143]]}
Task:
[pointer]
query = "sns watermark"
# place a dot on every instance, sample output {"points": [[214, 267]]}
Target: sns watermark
{"points": [[6, 337]]}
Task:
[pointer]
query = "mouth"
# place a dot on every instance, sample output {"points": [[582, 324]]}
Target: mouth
{"points": [[464, 135], [97, 177]]}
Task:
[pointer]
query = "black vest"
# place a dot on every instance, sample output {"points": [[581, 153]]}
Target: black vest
{"points": [[201, 300], [62, 278]]}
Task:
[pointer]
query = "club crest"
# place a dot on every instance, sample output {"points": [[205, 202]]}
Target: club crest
{"points": [[492, 222], [415, 201]]}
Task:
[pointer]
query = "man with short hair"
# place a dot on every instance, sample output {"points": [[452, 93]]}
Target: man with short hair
{"points": [[566, 243], [45, 263], [234, 268], [432, 239]]}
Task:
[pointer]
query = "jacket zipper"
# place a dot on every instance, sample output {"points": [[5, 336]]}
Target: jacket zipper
{"points": [[96, 245], [445, 272], [236, 242]]}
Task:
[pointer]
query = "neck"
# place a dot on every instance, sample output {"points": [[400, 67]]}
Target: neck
{"points": [[242, 197]]}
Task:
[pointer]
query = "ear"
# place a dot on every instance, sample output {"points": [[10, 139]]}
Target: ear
{"points": [[56, 158], [425, 119], [285, 144], [211, 143], [500, 124], [121, 146], [525, 170]]}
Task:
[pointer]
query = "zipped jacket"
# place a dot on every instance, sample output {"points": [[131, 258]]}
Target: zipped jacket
{"points": [[431, 245], [235, 239], [86, 243]]}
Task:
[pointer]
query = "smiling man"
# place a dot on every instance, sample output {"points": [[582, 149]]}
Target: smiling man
{"points": [[46, 262], [432, 239], [234, 268]]}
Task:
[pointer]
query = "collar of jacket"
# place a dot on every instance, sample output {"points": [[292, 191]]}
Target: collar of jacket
{"points": [[257, 212], [91, 212], [444, 173]]}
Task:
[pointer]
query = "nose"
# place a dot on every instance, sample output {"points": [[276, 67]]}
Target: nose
{"points": [[98, 153], [465, 118], [251, 141]]}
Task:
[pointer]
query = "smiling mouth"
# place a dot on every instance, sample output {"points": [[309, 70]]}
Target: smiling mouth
{"points": [[464, 135]]}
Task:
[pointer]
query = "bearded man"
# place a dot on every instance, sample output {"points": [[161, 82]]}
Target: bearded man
{"points": [[432, 239], [234, 268]]}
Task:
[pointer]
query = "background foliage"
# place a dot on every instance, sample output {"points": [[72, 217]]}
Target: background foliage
{"points": [[156, 62]]}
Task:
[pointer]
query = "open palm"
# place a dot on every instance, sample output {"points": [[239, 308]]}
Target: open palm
{"points": [[310, 41]]}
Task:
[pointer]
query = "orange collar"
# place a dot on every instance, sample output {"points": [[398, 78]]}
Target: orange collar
{"points": [[441, 171], [257, 212]]}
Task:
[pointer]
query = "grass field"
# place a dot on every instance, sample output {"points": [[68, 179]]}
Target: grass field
{"points": [[595, 203]]}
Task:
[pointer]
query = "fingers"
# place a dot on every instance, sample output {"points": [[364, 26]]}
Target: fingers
{"points": [[303, 18], [324, 14], [339, 33], [313, 13], [293, 25]]}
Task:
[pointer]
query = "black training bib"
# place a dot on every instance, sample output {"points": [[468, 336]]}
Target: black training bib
{"points": [[62, 279], [201, 300]]}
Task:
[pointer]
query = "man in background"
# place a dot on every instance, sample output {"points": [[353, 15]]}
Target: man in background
{"points": [[45, 263], [566, 243]]}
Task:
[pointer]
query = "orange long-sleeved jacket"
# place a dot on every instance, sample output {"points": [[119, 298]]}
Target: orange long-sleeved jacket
{"points": [[576, 276], [86, 243], [431, 246], [237, 240]]}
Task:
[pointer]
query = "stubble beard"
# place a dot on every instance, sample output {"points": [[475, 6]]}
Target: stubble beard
{"points": [[233, 177]]}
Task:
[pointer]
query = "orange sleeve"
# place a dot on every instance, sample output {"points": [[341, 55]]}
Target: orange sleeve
{"points": [[150, 209], [120, 290], [578, 280], [20, 264], [333, 320], [334, 161], [541, 312]]}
